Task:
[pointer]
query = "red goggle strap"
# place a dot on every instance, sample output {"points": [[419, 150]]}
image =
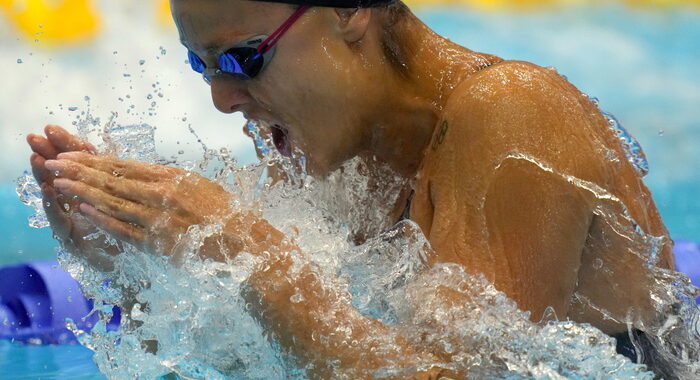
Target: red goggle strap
{"points": [[277, 34]]}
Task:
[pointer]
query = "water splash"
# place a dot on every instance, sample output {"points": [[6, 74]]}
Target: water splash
{"points": [[192, 317], [29, 193], [131, 142], [630, 145]]}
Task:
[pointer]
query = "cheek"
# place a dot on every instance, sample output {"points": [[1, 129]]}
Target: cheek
{"points": [[314, 63], [309, 87]]}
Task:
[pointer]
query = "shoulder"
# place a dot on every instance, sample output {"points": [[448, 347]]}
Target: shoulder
{"points": [[513, 88], [507, 76], [517, 106], [495, 170]]}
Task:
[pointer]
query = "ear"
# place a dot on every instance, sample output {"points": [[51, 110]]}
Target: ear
{"points": [[353, 23]]}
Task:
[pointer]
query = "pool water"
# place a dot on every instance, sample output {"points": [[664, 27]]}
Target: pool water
{"points": [[46, 362], [641, 65]]}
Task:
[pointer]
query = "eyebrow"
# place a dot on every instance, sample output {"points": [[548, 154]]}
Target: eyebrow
{"points": [[209, 49]]}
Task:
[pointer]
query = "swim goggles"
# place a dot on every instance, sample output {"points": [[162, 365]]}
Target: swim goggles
{"points": [[247, 58]]}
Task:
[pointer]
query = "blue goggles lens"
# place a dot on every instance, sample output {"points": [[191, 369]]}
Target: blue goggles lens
{"points": [[245, 61], [195, 62]]}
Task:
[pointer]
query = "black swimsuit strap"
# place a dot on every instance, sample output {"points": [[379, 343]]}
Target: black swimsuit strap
{"points": [[406, 214]]}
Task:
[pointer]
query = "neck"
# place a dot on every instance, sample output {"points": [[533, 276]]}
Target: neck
{"points": [[424, 69]]}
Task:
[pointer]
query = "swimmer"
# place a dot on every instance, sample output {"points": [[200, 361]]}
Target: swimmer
{"points": [[510, 167]]}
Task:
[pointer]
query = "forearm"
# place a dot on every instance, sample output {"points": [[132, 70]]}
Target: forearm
{"points": [[310, 315], [314, 320], [243, 232]]}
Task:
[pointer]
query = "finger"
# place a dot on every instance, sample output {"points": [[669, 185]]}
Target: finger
{"points": [[57, 217], [66, 142], [123, 168], [42, 146], [118, 229], [45, 176], [122, 209], [41, 174], [136, 191]]}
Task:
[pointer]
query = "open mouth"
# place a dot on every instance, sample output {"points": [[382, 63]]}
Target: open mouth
{"points": [[281, 140]]}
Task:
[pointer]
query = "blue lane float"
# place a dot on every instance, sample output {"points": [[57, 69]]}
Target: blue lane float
{"points": [[36, 300], [688, 259]]}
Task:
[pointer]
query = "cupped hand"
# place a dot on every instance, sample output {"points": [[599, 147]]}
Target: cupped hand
{"points": [[68, 225], [148, 206]]}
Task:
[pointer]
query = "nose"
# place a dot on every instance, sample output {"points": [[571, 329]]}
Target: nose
{"points": [[228, 94]]}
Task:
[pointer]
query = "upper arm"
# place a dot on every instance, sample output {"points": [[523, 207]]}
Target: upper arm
{"points": [[501, 183], [537, 224]]}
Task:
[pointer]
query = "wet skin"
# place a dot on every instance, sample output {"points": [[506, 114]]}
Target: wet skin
{"points": [[503, 155]]}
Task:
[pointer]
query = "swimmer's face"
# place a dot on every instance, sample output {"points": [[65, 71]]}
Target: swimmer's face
{"points": [[313, 87]]}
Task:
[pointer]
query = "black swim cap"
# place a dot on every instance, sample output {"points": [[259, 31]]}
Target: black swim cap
{"points": [[335, 3]]}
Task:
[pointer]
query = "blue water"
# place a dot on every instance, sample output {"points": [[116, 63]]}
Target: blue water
{"points": [[21, 242], [641, 65], [46, 362]]}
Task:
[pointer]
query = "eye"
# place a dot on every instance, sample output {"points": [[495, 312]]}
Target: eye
{"points": [[196, 62]]}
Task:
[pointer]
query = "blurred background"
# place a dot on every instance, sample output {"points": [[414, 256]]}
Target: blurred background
{"points": [[64, 60], [67, 61]]}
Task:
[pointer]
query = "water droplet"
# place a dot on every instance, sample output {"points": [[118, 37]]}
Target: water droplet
{"points": [[296, 298], [597, 263], [115, 52], [162, 50], [72, 108], [149, 97], [661, 132], [142, 61], [19, 60]]}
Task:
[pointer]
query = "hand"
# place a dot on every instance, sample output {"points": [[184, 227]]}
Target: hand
{"points": [[68, 226], [148, 206]]}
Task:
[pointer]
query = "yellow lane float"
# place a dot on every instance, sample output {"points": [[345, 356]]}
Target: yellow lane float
{"points": [[53, 22]]}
